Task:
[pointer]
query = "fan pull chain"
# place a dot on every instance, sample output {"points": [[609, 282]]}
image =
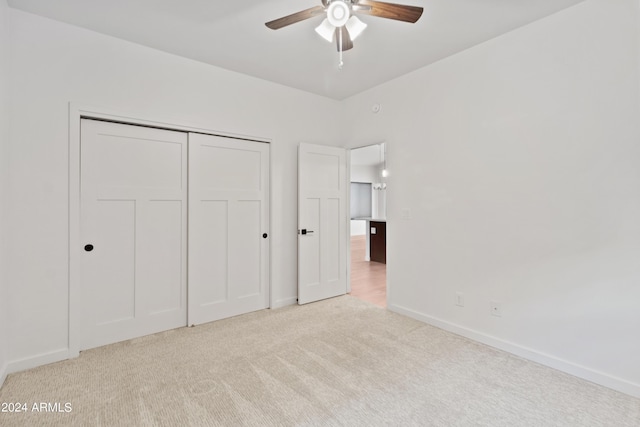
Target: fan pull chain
{"points": [[341, 63]]}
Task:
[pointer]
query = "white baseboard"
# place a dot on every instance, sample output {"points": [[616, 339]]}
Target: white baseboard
{"points": [[39, 360], [3, 374], [285, 302], [574, 369]]}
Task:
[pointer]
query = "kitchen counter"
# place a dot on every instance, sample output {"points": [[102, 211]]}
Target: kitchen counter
{"points": [[376, 246], [369, 219]]}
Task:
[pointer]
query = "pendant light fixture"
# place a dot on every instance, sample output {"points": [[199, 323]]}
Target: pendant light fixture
{"points": [[385, 173]]}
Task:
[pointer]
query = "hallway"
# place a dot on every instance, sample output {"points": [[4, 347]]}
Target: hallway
{"points": [[368, 279]]}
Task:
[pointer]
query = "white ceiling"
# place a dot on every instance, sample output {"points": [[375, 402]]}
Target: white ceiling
{"points": [[232, 35]]}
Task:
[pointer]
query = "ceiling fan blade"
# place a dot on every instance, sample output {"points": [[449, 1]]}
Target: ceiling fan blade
{"points": [[359, 8], [347, 43], [296, 17], [399, 12]]}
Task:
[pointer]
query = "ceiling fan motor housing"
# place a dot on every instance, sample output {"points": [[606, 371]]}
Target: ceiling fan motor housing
{"points": [[338, 13]]}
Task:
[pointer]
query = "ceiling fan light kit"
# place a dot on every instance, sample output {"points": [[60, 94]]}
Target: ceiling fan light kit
{"points": [[355, 27], [326, 30], [340, 19]]}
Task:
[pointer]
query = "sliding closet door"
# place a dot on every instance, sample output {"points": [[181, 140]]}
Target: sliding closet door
{"points": [[228, 227], [133, 214]]}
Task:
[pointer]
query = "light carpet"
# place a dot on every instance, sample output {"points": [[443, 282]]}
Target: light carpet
{"points": [[339, 362]]}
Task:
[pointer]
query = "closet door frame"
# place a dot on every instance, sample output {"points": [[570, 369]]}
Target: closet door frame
{"points": [[76, 114]]}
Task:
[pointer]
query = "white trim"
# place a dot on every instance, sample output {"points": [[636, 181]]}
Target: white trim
{"points": [[73, 341], [39, 360], [574, 369], [272, 296], [3, 374], [388, 180], [76, 113], [348, 215]]}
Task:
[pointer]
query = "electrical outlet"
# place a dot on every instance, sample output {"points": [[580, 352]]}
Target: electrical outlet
{"points": [[496, 308], [459, 299]]}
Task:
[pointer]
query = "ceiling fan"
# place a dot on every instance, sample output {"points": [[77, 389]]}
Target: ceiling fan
{"points": [[341, 22]]}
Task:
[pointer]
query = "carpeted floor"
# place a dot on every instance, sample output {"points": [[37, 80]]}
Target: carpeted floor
{"points": [[339, 362]]}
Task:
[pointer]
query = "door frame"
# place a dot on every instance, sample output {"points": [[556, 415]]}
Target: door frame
{"points": [[76, 114]]}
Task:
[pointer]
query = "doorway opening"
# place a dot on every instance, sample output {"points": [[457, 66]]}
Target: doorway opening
{"points": [[368, 224]]}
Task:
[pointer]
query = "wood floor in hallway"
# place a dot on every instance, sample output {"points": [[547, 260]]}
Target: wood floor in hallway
{"points": [[368, 279]]}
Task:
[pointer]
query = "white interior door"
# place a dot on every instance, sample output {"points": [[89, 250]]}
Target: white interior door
{"points": [[228, 227], [322, 222], [133, 226]]}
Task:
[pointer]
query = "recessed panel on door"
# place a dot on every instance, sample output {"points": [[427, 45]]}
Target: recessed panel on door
{"points": [[334, 264], [111, 285], [244, 277], [211, 255], [229, 168], [309, 244], [160, 237]]}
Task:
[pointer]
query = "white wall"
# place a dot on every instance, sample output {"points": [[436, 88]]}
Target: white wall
{"points": [[55, 63], [358, 227], [517, 162], [361, 173], [4, 183], [370, 174]]}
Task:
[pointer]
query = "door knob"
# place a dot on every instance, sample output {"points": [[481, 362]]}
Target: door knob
{"points": [[88, 248], [305, 231], [265, 235]]}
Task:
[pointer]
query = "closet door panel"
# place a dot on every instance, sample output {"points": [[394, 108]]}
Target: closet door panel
{"points": [[133, 229], [228, 227]]}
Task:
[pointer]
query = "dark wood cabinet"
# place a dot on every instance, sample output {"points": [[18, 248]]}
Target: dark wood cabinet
{"points": [[378, 241]]}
